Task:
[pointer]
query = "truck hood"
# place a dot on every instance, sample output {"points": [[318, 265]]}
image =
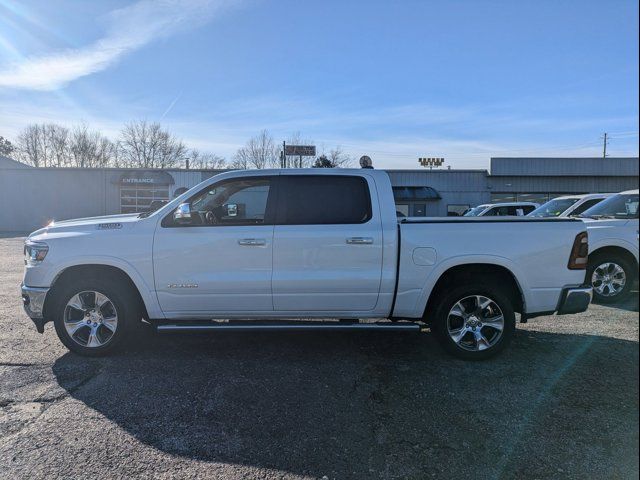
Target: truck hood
{"points": [[107, 222]]}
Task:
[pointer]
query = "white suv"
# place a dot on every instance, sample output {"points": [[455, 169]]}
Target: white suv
{"points": [[613, 246], [569, 205], [511, 209]]}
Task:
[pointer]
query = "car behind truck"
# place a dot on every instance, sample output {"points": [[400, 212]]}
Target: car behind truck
{"points": [[262, 249]]}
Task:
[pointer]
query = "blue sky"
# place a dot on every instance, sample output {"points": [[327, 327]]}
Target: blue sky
{"points": [[397, 80]]}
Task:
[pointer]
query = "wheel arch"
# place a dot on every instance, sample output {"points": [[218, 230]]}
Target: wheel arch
{"points": [[91, 270], [470, 272]]}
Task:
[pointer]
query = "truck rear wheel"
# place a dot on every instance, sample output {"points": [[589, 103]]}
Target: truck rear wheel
{"points": [[474, 322], [92, 315]]}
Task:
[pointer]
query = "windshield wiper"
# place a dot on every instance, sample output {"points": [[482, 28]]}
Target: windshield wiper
{"points": [[144, 214]]}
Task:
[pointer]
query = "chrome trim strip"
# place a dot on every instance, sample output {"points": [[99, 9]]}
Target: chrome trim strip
{"points": [[291, 327], [33, 300]]}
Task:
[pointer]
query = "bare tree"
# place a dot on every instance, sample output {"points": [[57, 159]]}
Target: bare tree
{"points": [[83, 145], [147, 145], [206, 160], [57, 137], [259, 152], [339, 158], [241, 159], [30, 146]]}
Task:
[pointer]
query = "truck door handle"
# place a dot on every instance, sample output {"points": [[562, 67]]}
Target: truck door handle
{"points": [[360, 241], [252, 242]]}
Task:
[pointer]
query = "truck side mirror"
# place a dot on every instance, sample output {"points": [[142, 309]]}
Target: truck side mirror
{"points": [[182, 214], [232, 209]]}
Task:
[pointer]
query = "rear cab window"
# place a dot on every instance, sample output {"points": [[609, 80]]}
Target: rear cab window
{"points": [[323, 200]]}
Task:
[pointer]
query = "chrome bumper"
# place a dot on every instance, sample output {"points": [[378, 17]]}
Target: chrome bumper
{"points": [[33, 301], [575, 299]]}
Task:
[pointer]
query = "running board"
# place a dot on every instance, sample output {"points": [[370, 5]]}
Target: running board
{"points": [[293, 326]]}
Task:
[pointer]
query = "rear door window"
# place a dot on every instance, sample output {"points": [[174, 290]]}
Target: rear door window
{"points": [[323, 200]]}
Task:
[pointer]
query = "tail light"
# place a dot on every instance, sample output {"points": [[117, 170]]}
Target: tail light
{"points": [[579, 252]]}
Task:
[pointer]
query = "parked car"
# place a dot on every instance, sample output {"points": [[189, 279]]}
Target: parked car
{"points": [[276, 245], [569, 205], [613, 238], [513, 209]]}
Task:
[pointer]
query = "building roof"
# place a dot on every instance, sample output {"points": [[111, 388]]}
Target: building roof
{"points": [[6, 162]]}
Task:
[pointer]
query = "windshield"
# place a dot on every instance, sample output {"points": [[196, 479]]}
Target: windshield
{"points": [[553, 208], [154, 207], [619, 206], [475, 211]]}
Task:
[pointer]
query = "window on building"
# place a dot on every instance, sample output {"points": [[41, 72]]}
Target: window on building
{"points": [[503, 197], [538, 198], [457, 210], [139, 198], [323, 200], [402, 210], [419, 210]]}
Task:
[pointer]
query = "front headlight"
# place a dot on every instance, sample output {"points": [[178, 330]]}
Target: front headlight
{"points": [[34, 253]]}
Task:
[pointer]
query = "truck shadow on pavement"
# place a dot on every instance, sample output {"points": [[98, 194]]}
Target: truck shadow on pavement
{"points": [[372, 405]]}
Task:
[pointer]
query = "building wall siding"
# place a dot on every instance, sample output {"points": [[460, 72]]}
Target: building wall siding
{"points": [[546, 167], [572, 184], [31, 197]]}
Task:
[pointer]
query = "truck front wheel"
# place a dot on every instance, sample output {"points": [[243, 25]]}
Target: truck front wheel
{"points": [[91, 315], [474, 322]]}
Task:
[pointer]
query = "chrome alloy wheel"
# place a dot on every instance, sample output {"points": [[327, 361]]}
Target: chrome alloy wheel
{"points": [[90, 319], [608, 279], [475, 323]]}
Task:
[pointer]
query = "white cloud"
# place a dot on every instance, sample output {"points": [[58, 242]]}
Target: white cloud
{"points": [[128, 29]]}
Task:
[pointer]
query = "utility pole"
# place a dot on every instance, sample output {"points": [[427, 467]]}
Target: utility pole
{"points": [[283, 162], [604, 146]]}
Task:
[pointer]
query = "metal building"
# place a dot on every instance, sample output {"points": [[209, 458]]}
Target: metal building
{"points": [[32, 197]]}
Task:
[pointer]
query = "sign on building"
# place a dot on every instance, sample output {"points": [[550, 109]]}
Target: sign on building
{"points": [[431, 162]]}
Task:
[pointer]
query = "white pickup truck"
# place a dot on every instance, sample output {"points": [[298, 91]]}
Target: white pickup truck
{"points": [[263, 249]]}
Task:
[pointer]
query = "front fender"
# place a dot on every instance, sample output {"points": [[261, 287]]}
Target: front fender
{"points": [[38, 276]]}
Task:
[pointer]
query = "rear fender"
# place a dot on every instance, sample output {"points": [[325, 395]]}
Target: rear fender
{"points": [[458, 261]]}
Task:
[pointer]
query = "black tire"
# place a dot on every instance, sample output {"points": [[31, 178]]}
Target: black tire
{"points": [[125, 304], [600, 259], [440, 322]]}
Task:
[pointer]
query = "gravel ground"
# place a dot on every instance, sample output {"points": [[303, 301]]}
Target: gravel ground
{"points": [[562, 401]]}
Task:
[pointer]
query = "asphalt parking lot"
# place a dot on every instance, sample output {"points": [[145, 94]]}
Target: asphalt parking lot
{"points": [[562, 401]]}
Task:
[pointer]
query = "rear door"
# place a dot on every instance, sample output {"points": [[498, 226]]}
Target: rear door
{"points": [[327, 247]]}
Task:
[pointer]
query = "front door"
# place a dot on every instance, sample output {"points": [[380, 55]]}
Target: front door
{"points": [[327, 253], [221, 260]]}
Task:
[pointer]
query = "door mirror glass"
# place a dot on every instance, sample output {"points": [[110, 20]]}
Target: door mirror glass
{"points": [[182, 214], [232, 209]]}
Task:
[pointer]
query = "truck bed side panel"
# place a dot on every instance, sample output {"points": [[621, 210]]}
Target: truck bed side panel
{"points": [[535, 252]]}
